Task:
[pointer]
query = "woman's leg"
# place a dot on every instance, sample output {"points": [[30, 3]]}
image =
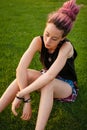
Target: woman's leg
{"points": [[45, 106], [8, 95], [13, 88], [55, 89]]}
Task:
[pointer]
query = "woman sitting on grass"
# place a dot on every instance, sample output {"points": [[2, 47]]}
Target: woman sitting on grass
{"points": [[58, 77]]}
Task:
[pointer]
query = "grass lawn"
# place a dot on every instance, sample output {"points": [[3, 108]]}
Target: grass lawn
{"points": [[20, 21]]}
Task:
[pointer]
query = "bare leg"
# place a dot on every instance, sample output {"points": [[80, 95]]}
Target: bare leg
{"points": [[46, 103], [8, 95], [57, 89], [13, 88]]}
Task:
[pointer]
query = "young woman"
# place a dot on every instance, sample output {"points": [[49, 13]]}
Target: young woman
{"points": [[57, 80]]}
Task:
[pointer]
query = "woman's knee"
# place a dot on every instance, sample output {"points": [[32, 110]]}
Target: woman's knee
{"points": [[48, 88], [32, 75]]}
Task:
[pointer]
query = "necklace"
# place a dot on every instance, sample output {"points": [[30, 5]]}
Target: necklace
{"points": [[49, 59]]}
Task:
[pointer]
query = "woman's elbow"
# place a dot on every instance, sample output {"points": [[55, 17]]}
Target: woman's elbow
{"points": [[50, 76], [19, 70]]}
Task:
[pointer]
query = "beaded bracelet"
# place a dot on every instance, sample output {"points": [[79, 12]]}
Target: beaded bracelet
{"points": [[27, 100], [20, 98], [24, 100]]}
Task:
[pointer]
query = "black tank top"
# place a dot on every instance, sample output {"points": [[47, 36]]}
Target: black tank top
{"points": [[47, 59]]}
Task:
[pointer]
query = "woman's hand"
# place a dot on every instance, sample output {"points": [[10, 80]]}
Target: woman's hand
{"points": [[27, 111], [15, 105]]}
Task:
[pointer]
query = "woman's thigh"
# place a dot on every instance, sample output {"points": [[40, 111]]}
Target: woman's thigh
{"points": [[61, 89], [33, 75]]}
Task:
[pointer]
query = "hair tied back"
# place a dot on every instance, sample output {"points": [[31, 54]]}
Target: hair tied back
{"points": [[70, 9]]}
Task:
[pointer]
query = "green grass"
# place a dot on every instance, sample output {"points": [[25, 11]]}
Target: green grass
{"points": [[20, 21]]}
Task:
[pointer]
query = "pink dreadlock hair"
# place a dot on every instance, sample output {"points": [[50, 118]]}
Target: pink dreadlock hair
{"points": [[64, 17]]}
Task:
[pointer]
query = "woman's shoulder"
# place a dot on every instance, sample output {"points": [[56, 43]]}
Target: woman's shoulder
{"points": [[69, 45], [65, 43], [66, 48], [38, 41], [73, 47]]}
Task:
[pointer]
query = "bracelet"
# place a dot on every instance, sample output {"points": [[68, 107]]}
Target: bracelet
{"points": [[20, 98], [26, 100]]}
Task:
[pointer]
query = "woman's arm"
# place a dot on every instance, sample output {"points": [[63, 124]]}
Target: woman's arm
{"points": [[22, 78], [65, 52], [21, 72]]}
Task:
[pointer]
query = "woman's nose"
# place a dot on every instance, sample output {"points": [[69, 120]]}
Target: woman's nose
{"points": [[48, 40]]}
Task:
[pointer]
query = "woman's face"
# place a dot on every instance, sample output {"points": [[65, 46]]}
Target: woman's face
{"points": [[52, 36]]}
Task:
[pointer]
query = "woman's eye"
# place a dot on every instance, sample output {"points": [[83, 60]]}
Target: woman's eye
{"points": [[47, 35], [54, 39]]}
